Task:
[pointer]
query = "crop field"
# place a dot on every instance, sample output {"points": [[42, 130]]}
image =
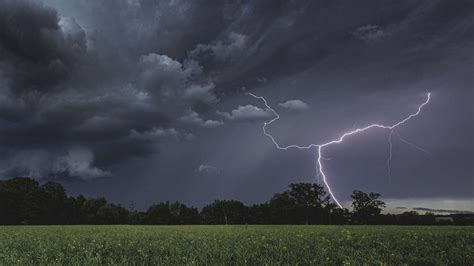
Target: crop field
{"points": [[236, 245]]}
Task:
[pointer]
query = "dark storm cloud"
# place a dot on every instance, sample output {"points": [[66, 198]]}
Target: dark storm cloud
{"points": [[59, 96], [154, 90], [36, 54]]}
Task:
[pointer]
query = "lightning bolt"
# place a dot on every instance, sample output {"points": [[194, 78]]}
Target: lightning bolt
{"points": [[390, 155], [339, 140]]}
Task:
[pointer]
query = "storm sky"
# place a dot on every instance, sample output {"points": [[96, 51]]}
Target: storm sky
{"points": [[142, 101]]}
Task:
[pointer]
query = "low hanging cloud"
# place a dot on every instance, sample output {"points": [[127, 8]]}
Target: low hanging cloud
{"points": [[34, 163], [79, 163], [246, 113], [294, 105]]}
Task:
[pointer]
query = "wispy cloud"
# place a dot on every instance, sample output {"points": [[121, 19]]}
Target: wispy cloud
{"points": [[443, 210], [294, 105]]}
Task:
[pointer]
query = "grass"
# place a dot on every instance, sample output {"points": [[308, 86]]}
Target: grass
{"points": [[171, 245]]}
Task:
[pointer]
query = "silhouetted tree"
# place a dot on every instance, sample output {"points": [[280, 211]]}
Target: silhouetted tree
{"points": [[366, 207], [25, 201], [303, 203], [137, 217], [90, 208], [311, 203], [18, 201], [159, 213], [54, 200], [176, 213], [225, 212], [259, 214], [112, 214], [181, 214], [337, 215], [282, 209]]}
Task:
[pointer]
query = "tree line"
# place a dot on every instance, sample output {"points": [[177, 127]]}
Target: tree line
{"points": [[25, 201]]}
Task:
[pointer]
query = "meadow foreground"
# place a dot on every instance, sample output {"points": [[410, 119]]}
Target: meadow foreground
{"points": [[272, 244]]}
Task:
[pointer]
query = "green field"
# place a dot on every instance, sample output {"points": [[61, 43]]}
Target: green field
{"points": [[237, 245]]}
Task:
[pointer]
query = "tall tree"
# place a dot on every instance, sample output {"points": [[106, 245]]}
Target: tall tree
{"points": [[311, 201], [366, 207], [19, 202], [303, 203], [282, 209], [54, 203]]}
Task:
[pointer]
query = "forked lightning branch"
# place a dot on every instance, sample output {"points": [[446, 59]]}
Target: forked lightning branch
{"points": [[338, 140]]}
